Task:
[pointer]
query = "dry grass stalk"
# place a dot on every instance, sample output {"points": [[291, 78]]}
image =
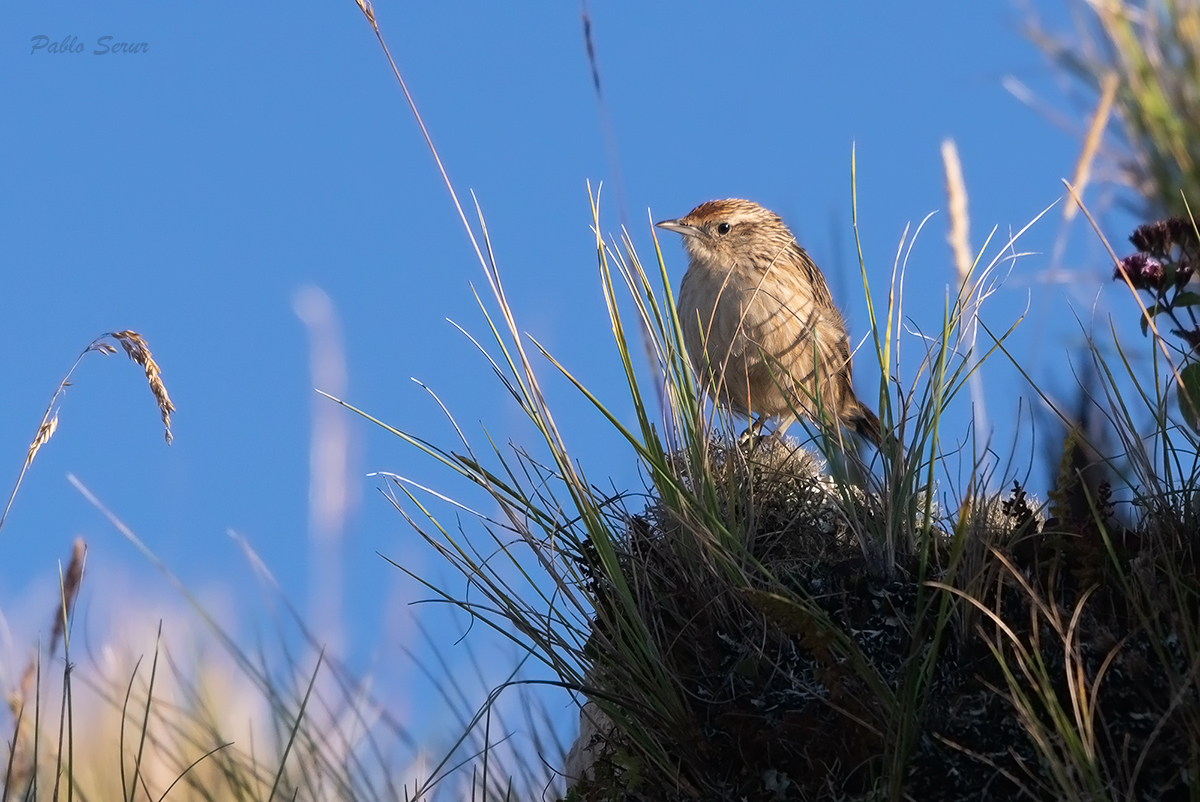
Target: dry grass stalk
{"points": [[71, 582], [22, 755], [964, 263], [135, 346], [1151, 48], [1091, 144], [960, 226]]}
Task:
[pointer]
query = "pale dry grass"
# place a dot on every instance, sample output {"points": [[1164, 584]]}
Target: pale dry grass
{"points": [[137, 349], [1091, 142], [960, 222]]}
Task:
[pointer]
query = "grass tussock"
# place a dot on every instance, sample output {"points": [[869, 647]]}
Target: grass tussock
{"points": [[890, 630], [803, 621]]}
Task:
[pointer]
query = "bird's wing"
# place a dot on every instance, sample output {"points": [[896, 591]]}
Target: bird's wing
{"points": [[816, 278]]}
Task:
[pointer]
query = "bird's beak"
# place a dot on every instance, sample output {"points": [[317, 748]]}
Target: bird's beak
{"points": [[679, 228]]}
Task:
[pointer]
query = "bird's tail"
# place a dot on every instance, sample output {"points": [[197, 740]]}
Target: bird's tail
{"points": [[866, 424]]}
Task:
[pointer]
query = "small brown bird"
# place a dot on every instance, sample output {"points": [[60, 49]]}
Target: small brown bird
{"points": [[759, 323]]}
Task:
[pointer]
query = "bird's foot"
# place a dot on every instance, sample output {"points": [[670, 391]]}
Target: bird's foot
{"points": [[756, 436], [749, 440]]}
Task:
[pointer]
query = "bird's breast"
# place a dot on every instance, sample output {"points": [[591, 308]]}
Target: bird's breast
{"points": [[747, 301]]}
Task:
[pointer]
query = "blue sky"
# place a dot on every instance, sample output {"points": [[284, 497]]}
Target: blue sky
{"points": [[190, 191]]}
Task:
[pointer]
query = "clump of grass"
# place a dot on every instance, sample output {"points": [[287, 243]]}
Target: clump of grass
{"points": [[760, 625], [312, 731], [764, 630], [633, 610], [952, 649]]}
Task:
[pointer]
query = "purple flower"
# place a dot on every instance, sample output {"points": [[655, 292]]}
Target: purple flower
{"points": [[1182, 231], [1160, 237], [1152, 238], [1144, 272]]}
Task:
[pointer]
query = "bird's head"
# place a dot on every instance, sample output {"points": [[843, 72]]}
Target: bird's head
{"points": [[730, 231]]}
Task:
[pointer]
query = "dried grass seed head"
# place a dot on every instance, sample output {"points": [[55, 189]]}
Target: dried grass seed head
{"points": [[137, 349], [44, 433]]}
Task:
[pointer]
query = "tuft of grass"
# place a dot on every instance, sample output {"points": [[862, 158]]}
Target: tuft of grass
{"points": [[720, 651], [762, 629], [716, 638]]}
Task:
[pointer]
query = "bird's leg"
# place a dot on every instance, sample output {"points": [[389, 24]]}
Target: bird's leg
{"points": [[783, 426]]}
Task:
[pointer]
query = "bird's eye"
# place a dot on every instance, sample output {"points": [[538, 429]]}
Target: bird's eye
{"points": [[723, 229]]}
